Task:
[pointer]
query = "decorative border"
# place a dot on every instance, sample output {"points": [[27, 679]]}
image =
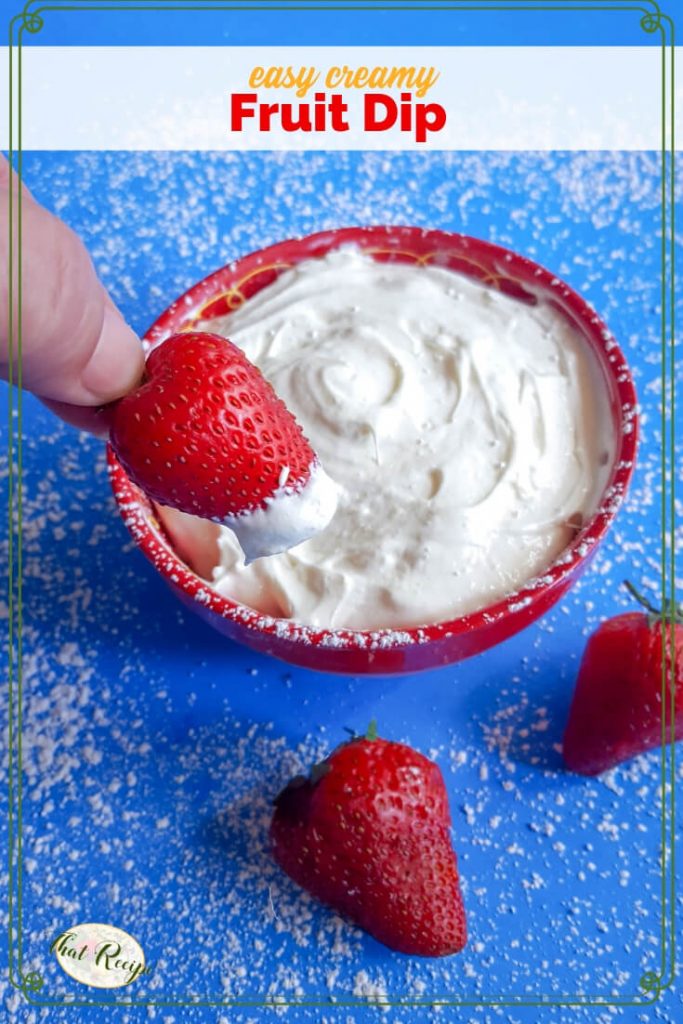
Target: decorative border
{"points": [[652, 20]]}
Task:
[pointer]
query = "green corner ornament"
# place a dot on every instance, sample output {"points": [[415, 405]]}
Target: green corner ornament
{"points": [[651, 21], [651, 984], [31, 982], [31, 20]]}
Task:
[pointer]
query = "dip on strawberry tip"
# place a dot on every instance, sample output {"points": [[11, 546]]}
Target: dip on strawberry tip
{"points": [[287, 518]]}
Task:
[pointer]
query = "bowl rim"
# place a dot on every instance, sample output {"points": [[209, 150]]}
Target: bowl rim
{"points": [[139, 514]]}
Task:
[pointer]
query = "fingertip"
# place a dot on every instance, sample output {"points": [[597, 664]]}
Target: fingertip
{"points": [[117, 361], [94, 419]]}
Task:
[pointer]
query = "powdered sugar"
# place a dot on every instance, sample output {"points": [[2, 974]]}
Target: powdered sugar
{"points": [[134, 712]]}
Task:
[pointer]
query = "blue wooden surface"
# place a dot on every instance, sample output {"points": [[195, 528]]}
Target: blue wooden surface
{"points": [[153, 746]]}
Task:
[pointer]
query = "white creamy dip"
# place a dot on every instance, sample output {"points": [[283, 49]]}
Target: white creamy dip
{"points": [[288, 517], [468, 432]]}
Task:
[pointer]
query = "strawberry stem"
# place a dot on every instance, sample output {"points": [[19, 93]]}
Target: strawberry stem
{"points": [[641, 599], [371, 731], [671, 611]]}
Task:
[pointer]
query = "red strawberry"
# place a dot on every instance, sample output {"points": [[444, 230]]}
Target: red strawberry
{"points": [[367, 832], [617, 708], [206, 434]]}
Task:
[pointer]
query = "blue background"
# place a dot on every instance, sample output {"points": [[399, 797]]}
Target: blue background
{"points": [[153, 746], [572, 27]]}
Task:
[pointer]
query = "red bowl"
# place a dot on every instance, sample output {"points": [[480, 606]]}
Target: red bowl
{"points": [[388, 651]]}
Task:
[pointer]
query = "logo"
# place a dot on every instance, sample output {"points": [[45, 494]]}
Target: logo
{"points": [[100, 955]]}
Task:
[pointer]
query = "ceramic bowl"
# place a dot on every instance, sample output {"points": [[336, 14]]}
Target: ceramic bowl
{"points": [[388, 651]]}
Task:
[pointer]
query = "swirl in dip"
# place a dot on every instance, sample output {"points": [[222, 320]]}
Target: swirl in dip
{"points": [[469, 434]]}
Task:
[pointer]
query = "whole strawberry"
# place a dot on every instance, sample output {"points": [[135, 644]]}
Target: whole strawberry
{"points": [[617, 709], [206, 434], [368, 833]]}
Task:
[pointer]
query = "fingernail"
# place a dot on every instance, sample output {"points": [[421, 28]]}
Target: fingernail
{"points": [[117, 363]]}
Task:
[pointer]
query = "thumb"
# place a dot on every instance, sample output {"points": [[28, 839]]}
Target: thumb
{"points": [[76, 346]]}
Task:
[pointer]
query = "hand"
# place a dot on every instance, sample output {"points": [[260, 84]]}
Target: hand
{"points": [[78, 353]]}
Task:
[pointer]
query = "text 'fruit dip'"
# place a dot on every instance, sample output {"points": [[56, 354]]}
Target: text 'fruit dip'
{"points": [[469, 434]]}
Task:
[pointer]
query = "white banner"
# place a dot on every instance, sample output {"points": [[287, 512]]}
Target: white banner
{"points": [[175, 98]]}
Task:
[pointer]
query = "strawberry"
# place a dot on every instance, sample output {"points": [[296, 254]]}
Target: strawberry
{"points": [[367, 832], [617, 709], [206, 434]]}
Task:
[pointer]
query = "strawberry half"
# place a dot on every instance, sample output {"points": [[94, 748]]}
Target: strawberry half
{"points": [[617, 710], [368, 833], [206, 434]]}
